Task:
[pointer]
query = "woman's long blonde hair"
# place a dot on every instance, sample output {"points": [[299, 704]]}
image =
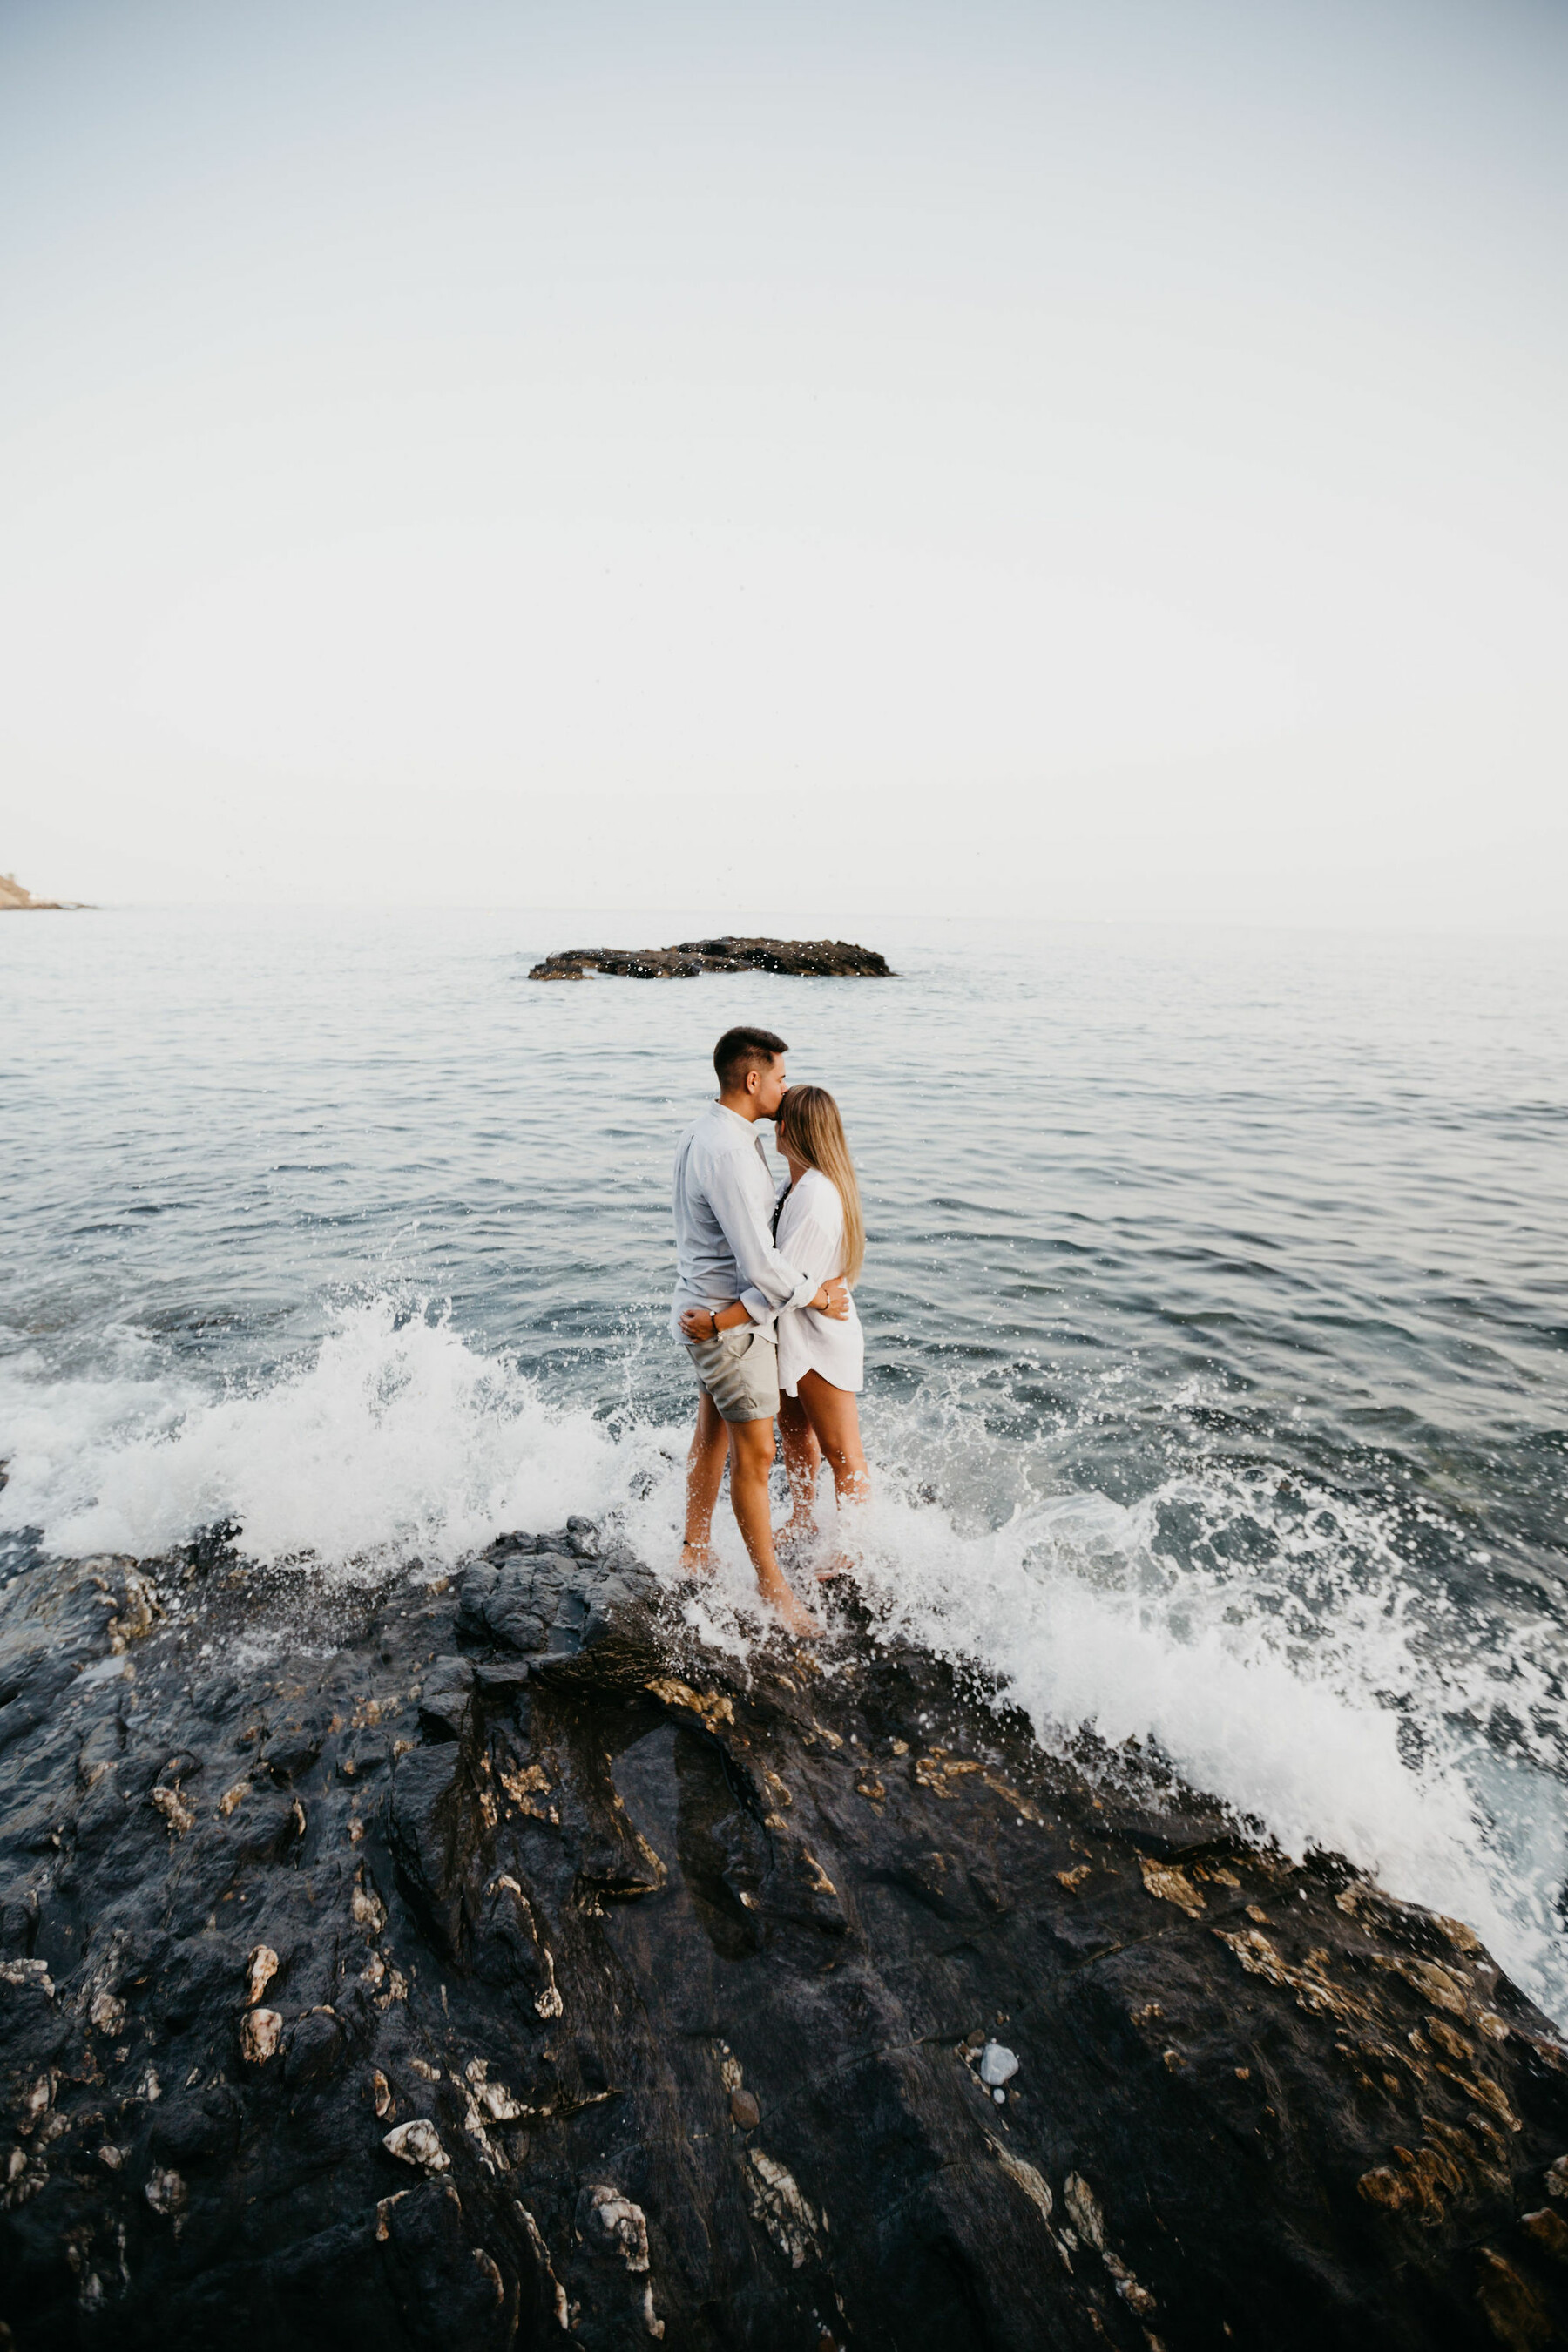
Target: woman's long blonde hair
{"points": [[807, 1121]]}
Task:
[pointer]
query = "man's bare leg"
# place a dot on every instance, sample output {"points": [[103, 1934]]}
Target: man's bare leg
{"points": [[704, 1476], [802, 1460], [751, 1465]]}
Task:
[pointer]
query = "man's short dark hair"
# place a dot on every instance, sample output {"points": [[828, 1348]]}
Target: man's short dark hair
{"points": [[740, 1050]]}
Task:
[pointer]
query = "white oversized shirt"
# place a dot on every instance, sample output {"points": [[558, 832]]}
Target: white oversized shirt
{"points": [[811, 1235], [724, 1200]]}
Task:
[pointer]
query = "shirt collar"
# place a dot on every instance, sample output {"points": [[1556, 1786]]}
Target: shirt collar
{"points": [[748, 1127]]}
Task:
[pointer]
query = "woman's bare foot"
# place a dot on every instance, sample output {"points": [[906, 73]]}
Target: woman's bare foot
{"points": [[696, 1560], [797, 1618]]}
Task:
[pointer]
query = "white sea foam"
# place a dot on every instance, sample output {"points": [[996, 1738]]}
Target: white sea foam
{"points": [[394, 1438], [1067, 1605], [1322, 1693]]}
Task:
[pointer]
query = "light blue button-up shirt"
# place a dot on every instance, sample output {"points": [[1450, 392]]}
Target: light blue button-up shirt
{"points": [[724, 1201]]}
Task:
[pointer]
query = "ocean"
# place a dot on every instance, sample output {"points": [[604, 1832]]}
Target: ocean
{"points": [[1215, 1301]]}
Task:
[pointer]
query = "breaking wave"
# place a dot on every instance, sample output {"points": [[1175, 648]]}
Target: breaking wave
{"points": [[1304, 1674]]}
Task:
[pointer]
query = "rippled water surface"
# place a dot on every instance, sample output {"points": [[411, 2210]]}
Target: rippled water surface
{"points": [[1215, 1310]]}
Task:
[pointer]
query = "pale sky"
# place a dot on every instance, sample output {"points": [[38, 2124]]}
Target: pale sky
{"points": [[1101, 459]]}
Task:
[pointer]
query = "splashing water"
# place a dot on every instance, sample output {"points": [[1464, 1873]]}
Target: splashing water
{"points": [[1316, 1689], [395, 1440]]}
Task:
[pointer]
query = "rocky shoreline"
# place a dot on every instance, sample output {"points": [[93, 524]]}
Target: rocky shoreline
{"points": [[485, 1963], [797, 959], [15, 900]]}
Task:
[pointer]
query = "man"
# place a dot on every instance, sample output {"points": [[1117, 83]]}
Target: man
{"points": [[724, 1200]]}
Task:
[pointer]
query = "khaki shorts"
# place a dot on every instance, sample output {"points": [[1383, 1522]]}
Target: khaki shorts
{"points": [[740, 1370]]}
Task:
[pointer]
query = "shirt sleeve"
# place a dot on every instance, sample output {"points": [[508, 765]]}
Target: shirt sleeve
{"points": [[768, 1281]]}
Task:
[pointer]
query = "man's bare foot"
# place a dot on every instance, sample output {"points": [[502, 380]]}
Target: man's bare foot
{"points": [[696, 1560], [798, 1619]]}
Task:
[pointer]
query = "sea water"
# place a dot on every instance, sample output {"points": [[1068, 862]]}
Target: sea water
{"points": [[1215, 1307]]}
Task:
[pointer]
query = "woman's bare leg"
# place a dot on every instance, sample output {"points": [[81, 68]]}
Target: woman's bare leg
{"points": [[834, 1419], [802, 1460]]}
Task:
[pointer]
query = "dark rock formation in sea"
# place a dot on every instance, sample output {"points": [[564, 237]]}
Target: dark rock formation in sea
{"points": [[483, 1963], [800, 959]]}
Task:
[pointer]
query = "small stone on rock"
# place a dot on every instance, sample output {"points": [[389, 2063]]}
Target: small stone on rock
{"points": [[260, 1968], [998, 2064], [259, 2031], [745, 2110], [417, 2142]]}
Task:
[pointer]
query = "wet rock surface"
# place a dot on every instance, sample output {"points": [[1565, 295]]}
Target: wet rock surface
{"points": [[487, 1964], [802, 959]]}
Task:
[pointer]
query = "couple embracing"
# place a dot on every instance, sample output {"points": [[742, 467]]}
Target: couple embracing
{"points": [[763, 1304]]}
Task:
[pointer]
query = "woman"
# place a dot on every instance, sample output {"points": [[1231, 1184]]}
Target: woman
{"points": [[821, 1362]]}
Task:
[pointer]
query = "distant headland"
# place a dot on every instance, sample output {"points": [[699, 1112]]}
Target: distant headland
{"points": [[14, 900], [800, 959]]}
